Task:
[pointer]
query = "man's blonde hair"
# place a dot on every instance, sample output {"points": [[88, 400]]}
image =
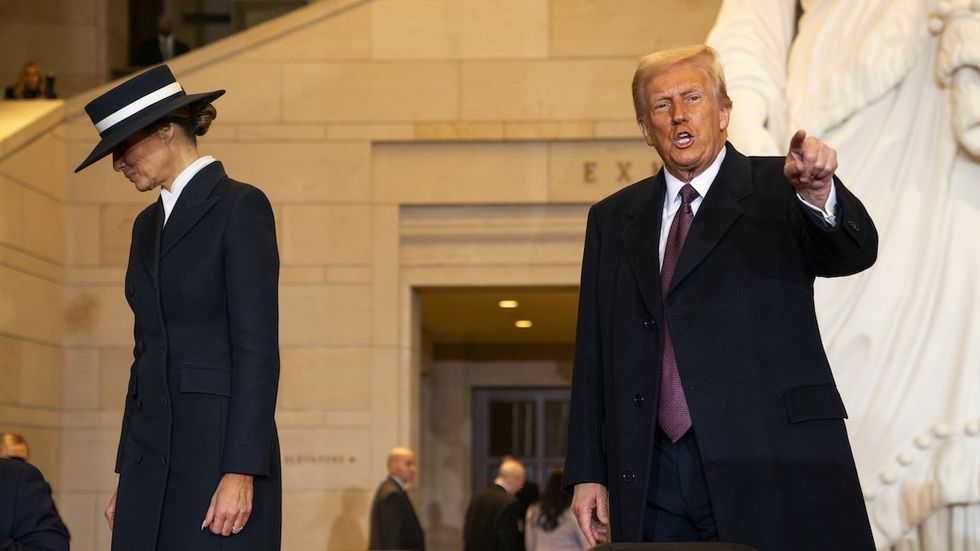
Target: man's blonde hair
{"points": [[653, 64]]}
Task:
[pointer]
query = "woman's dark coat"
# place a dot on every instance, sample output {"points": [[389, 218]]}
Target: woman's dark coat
{"points": [[202, 388]]}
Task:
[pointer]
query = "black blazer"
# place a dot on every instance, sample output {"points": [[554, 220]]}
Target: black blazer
{"points": [[394, 524], [492, 522], [28, 519], [202, 388], [766, 411]]}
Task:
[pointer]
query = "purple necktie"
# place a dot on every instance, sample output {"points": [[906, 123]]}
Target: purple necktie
{"points": [[672, 412]]}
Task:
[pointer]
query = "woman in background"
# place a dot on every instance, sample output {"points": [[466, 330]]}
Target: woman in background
{"points": [[550, 524], [30, 85]]}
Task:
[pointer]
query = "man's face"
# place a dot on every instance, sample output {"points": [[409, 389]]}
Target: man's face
{"points": [[684, 121], [403, 467]]}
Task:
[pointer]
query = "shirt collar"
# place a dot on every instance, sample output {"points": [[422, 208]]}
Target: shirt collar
{"points": [[169, 197], [397, 481], [701, 182]]}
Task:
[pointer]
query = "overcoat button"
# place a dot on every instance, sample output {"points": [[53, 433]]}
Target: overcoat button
{"points": [[161, 343], [164, 401], [638, 399], [650, 323], [138, 459], [139, 405], [163, 460], [629, 476]]}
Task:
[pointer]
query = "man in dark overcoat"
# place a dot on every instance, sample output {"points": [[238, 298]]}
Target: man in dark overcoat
{"points": [[493, 518], [394, 524], [703, 404], [28, 519]]}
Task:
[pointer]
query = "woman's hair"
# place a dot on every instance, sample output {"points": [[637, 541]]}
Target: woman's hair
{"points": [[554, 501], [21, 85], [194, 119]]}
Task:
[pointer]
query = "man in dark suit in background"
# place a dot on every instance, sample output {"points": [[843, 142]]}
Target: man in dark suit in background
{"points": [[703, 405], [161, 46], [28, 520], [394, 524], [493, 517]]}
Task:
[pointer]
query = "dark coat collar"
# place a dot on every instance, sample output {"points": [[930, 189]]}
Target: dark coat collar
{"points": [[718, 211]]}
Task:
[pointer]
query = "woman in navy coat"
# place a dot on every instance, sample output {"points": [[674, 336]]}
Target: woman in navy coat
{"points": [[198, 457]]}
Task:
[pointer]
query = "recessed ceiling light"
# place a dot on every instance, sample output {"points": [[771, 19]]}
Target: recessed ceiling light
{"points": [[507, 304], [523, 324]]}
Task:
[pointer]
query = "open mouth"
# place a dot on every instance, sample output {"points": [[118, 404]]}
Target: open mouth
{"points": [[683, 139]]}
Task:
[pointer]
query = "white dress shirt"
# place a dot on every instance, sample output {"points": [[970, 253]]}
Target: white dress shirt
{"points": [[169, 198]]}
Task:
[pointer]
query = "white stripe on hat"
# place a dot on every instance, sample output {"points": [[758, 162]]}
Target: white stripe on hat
{"points": [[138, 105]]}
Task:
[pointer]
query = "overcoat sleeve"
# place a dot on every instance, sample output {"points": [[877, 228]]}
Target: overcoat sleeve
{"points": [[586, 460], [252, 283], [849, 247], [35, 525]]}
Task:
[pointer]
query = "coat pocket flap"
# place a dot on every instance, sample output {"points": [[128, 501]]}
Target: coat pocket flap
{"points": [[812, 402], [209, 380]]}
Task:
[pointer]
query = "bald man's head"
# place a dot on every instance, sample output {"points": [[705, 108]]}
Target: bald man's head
{"points": [[401, 464], [511, 475]]}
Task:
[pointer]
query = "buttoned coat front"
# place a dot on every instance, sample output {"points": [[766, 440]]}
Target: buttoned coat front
{"points": [[767, 415], [202, 387]]}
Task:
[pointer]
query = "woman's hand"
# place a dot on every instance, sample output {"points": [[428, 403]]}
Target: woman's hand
{"points": [[231, 505], [110, 511]]}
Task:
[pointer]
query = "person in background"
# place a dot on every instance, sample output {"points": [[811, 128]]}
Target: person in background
{"points": [[394, 524], [30, 85], [14, 446], [162, 46], [28, 519], [550, 524], [493, 516]]}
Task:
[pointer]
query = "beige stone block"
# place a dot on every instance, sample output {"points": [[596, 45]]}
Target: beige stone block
{"points": [[326, 234], [11, 211], [43, 226], [80, 380], [282, 133], [375, 132], [96, 276], [324, 459], [39, 165], [88, 460], [561, 130], [459, 173], [300, 172], [253, 90], [341, 36], [30, 307], [350, 274], [32, 264], [338, 518], [459, 131], [113, 377], [326, 315], [386, 286], [9, 370], [225, 132], [589, 171], [624, 129], [377, 92], [288, 274], [97, 316], [546, 89], [449, 29], [333, 379], [40, 375], [78, 513], [298, 419], [83, 230], [348, 418], [627, 27], [116, 233]]}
